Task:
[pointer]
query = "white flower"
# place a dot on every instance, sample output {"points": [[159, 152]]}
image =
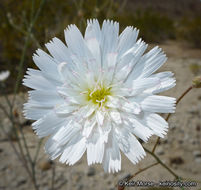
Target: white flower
{"points": [[98, 94], [4, 75]]}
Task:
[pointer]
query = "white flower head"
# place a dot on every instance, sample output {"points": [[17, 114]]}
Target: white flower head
{"points": [[98, 94], [4, 75]]}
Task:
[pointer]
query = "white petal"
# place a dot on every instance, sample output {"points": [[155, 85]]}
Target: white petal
{"points": [[94, 47], [141, 85], [35, 80], [58, 50], [44, 97], [113, 102], [47, 65], [64, 109], [129, 55], [66, 132], [93, 30], [137, 52], [71, 96], [100, 117], [90, 79], [111, 60], [105, 129], [74, 150], [115, 116], [76, 43], [95, 149], [35, 113], [92, 38], [68, 75], [126, 39], [49, 124], [53, 149], [167, 81], [86, 111], [161, 104], [138, 86], [112, 156], [69, 91], [88, 127], [149, 63], [34, 104], [130, 146], [110, 66], [109, 39], [157, 124], [124, 71], [131, 107], [77, 151]]}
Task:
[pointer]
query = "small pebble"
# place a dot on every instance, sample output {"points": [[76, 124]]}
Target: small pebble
{"points": [[125, 177], [197, 154], [177, 160], [180, 141], [45, 165], [198, 128], [160, 151], [21, 181], [198, 160], [80, 187], [194, 111], [91, 171]]}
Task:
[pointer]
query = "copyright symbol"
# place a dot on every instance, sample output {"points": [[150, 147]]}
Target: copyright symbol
{"points": [[121, 183]]}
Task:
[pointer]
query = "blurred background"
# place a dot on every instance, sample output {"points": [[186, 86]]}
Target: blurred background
{"points": [[25, 25], [158, 21]]}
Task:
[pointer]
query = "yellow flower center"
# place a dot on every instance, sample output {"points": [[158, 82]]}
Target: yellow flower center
{"points": [[98, 95]]}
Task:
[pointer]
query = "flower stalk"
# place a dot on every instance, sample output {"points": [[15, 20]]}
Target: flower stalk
{"points": [[168, 116]]}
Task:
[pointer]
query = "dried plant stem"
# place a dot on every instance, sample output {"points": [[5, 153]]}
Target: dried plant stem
{"points": [[37, 151], [155, 145], [53, 176], [108, 14], [168, 116], [29, 157], [121, 7], [4, 110], [25, 143], [142, 170], [29, 164], [21, 30], [138, 172], [20, 156], [161, 163], [11, 143], [10, 117], [29, 32]]}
